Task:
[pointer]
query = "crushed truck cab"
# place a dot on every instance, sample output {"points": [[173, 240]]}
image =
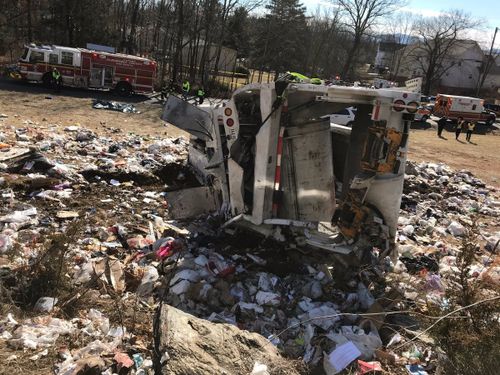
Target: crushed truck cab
{"points": [[278, 166]]}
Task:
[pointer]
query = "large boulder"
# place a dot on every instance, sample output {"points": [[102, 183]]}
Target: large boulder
{"points": [[199, 347]]}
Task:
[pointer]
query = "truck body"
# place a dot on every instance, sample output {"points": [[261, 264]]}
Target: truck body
{"points": [[279, 166], [81, 67], [470, 109]]}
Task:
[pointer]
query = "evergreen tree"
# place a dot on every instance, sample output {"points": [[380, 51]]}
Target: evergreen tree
{"points": [[238, 36], [280, 40]]}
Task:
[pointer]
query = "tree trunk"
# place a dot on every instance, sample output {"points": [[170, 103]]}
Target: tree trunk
{"points": [[131, 45], [351, 59], [177, 60], [29, 15]]}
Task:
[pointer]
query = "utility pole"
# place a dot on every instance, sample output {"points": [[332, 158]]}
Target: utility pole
{"points": [[487, 67]]}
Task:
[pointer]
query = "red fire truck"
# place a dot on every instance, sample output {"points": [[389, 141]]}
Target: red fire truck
{"points": [[80, 67]]}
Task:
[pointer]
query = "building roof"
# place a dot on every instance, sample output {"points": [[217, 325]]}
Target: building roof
{"points": [[459, 97], [458, 49]]}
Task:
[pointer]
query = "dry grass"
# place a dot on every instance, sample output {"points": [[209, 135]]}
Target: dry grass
{"points": [[470, 338]]}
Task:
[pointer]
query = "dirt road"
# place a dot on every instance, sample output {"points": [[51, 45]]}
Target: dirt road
{"points": [[22, 102]]}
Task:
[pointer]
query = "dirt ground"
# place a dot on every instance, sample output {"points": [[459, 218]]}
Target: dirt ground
{"points": [[29, 102], [22, 102], [481, 157]]}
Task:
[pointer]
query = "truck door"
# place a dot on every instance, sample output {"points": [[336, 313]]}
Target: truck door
{"points": [[108, 77], [96, 77]]}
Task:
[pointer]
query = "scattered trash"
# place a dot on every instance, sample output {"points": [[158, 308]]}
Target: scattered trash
{"points": [[456, 229], [114, 106], [340, 358], [416, 369], [369, 367], [259, 369], [45, 304], [114, 192], [67, 214]]}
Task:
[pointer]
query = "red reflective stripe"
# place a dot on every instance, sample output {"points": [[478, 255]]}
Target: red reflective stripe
{"points": [[279, 152], [376, 112]]}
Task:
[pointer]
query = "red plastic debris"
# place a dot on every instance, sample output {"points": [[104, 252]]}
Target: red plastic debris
{"points": [[368, 367]]}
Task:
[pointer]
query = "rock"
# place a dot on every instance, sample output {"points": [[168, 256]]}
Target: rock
{"points": [[199, 347]]}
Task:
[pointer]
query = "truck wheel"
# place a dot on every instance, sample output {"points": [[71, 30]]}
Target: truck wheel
{"points": [[47, 80], [123, 89]]}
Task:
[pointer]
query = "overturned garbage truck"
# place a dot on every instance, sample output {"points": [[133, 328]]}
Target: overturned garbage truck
{"points": [[274, 163]]}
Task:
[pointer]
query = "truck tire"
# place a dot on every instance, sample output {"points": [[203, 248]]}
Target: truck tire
{"points": [[47, 80], [123, 89]]}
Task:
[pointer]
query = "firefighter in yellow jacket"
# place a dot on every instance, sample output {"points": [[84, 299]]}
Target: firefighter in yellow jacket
{"points": [[186, 87], [56, 79], [470, 129]]}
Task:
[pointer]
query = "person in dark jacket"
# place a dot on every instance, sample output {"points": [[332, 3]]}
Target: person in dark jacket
{"points": [[441, 124]]}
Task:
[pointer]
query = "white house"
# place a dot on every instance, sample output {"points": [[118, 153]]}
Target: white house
{"points": [[461, 67], [492, 81]]}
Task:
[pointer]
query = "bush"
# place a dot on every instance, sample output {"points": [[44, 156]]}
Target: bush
{"points": [[470, 337]]}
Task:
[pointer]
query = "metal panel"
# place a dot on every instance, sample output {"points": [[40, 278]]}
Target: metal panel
{"points": [[235, 187], [189, 118], [308, 182], [265, 159]]}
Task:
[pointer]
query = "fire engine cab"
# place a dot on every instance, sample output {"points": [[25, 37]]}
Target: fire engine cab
{"points": [[81, 67]]}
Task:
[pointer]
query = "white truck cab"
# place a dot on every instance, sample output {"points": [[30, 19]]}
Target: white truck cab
{"points": [[277, 164]]}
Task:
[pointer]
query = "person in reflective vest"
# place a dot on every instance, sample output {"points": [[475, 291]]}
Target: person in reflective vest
{"points": [[297, 77], [56, 79], [186, 87], [316, 81], [200, 94]]}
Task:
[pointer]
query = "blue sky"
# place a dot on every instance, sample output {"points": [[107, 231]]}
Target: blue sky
{"points": [[488, 11]]}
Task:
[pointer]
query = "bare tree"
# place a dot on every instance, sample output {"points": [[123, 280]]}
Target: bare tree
{"points": [[438, 36], [131, 41], [400, 30], [490, 61], [324, 30], [362, 15]]}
